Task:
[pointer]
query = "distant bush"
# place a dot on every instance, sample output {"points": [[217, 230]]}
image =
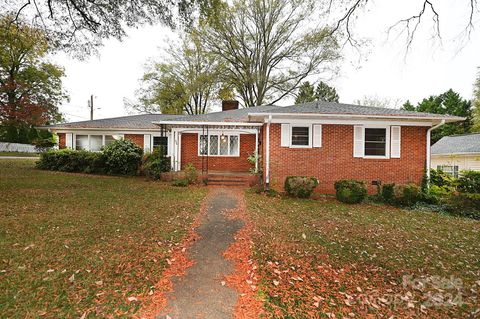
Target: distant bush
{"points": [[469, 182], [300, 186], [67, 160], [155, 163], [407, 195], [350, 191], [122, 157], [388, 193], [465, 205]]}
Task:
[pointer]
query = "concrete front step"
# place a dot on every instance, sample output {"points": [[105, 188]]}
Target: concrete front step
{"points": [[229, 179]]}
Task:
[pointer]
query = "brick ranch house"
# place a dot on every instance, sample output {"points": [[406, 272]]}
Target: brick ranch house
{"points": [[330, 141]]}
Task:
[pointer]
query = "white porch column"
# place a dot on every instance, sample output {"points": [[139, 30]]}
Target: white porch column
{"points": [[267, 155], [256, 151]]}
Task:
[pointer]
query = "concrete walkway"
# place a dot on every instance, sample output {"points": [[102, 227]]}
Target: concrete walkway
{"points": [[200, 293]]}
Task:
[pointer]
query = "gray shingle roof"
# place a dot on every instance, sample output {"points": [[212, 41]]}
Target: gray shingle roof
{"points": [[145, 121], [240, 115], [465, 143], [322, 107], [141, 121]]}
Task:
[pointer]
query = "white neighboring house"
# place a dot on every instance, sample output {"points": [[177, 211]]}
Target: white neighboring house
{"points": [[456, 153]]}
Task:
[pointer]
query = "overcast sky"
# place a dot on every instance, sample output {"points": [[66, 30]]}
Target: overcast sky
{"points": [[382, 69]]}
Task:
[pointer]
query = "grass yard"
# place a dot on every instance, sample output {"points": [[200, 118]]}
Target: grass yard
{"points": [[324, 259], [19, 154], [74, 245]]}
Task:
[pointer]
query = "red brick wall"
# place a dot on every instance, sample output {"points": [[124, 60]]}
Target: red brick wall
{"points": [[334, 160], [217, 163], [62, 143], [136, 138]]}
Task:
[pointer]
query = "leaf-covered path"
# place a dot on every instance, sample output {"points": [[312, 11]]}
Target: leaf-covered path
{"points": [[202, 292]]}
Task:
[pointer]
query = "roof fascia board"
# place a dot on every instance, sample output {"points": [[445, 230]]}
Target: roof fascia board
{"points": [[208, 123], [106, 131], [333, 115]]}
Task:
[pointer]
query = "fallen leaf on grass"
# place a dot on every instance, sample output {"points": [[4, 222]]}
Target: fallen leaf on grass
{"points": [[130, 299]]}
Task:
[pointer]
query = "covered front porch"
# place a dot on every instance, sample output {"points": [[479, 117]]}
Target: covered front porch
{"points": [[220, 149]]}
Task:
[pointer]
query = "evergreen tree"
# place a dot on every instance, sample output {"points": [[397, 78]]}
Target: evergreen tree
{"points": [[450, 103], [306, 93], [326, 93]]}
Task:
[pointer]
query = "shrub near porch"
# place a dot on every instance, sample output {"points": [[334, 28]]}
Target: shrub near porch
{"points": [[320, 258], [74, 244]]}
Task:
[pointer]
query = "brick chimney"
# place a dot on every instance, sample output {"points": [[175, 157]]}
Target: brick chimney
{"points": [[229, 105]]}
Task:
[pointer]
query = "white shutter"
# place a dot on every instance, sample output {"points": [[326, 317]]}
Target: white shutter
{"points": [[69, 140], [358, 141], [317, 136], [146, 143], [395, 142], [285, 135]]}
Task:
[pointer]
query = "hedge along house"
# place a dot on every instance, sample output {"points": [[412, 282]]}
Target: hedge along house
{"points": [[329, 141]]}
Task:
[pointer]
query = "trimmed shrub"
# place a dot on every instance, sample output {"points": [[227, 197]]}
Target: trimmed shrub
{"points": [[407, 195], [464, 205], [67, 160], [350, 191], [439, 194], [300, 186], [154, 164], [440, 178], [122, 157], [388, 193], [469, 182]]}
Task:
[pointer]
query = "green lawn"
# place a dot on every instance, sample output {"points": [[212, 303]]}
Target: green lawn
{"points": [[74, 244], [319, 258], [19, 154]]}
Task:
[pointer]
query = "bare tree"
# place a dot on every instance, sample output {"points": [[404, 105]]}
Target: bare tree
{"points": [[409, 24], [79, 26], [269, 46]]}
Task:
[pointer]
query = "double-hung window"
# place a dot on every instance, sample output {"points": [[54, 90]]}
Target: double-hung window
{"points": [[219, 145], [300, 136], [375, 141]]}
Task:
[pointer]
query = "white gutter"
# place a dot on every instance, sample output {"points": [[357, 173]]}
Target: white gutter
{"points": [[429, 149], [267, 155]]}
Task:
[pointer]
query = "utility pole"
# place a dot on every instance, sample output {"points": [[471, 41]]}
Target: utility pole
{"points": [[90, 105]]}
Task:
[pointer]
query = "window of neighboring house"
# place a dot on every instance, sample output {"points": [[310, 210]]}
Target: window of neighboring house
{"points": [[161, 143], [300, 136], [451, 170], [219, 145], [375, 141]]}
